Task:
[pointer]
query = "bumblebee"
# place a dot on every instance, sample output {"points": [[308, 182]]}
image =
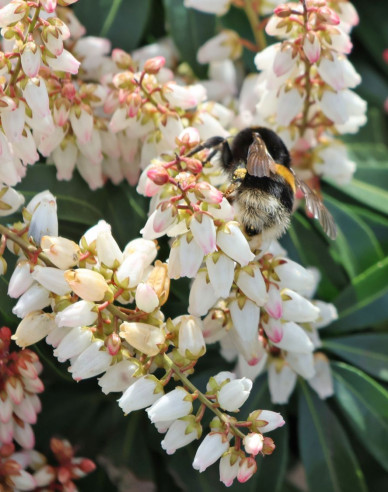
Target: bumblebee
{"points": [[263, 184]]}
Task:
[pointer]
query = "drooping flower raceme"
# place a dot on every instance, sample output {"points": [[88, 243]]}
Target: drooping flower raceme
{"points": [[304, 89], [67, 294], [21, 466], [256, 302]]}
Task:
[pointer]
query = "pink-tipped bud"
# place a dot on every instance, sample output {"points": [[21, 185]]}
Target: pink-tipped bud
{"points": [[253, 443], [268, 446], [246, 470], [113, 344], [87, 466], [158, 175], [326, 14], [282, 11], [133, 104], [194, 166], [189, 137], [208, 193], [153, 65], [121, 58]]}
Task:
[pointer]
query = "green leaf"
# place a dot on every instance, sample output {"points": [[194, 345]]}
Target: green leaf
{"points": [[364, 289], [370, 315], [6, 305], [328, 458], [377, 222], [364, 403], [121, 21], [373, 20], [189, 29], [370, 183], [368, 351], [356, 243]]}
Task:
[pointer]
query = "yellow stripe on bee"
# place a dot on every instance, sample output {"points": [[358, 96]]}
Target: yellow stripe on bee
{"points": [[286, 174]]}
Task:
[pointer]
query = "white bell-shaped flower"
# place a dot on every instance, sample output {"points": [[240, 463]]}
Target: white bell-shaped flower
{"points": [[171, 406], [234, 394], [210, 450]]}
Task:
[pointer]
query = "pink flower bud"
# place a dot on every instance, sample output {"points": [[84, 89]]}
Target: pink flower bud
{"points": [[65, 62], [134, 102], [158, 175], [208, 193], [253, 443], [189, 137], [49, 5], [312, 47], [246, 470], [326, 14], [31, 57], [229, 465], [153, 65], [113, 344], [194, 165], [282, 10], [266, 420], [12, 13], [274, 306]]}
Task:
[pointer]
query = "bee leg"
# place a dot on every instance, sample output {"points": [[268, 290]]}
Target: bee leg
{"points": [[208, 144], [217, 144], [230, 190]]}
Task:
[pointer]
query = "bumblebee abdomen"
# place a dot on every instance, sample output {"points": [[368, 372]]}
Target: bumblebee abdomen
{"points": [[265, 208]]}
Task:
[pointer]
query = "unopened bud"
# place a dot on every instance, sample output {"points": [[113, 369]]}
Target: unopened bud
{"points": [[189, 137], [122, 59], [194, 165], [282, 11], [246, 469], [153, 65], [158, 175], [328, 15], [268, 446], [113, 343], [134, 101]]}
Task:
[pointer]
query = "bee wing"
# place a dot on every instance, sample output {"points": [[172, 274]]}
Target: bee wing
{"points": [[315, 206], [259, 161]]}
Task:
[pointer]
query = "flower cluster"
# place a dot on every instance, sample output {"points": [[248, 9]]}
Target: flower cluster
{"points": [[256, 301], [26, 468], [74, 296], [304, 88]]}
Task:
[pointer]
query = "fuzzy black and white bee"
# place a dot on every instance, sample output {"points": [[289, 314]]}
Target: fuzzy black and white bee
{"points": [[263, 184]]}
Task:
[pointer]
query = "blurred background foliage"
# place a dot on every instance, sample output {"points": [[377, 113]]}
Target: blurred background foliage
{"points": [[341, 442]]}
